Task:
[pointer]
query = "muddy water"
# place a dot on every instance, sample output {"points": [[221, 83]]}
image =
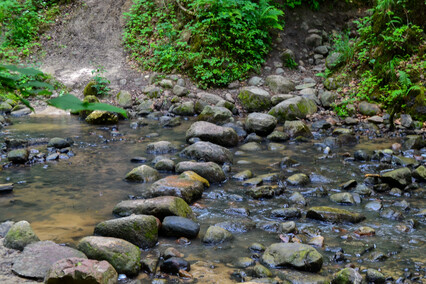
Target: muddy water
{"points": [[64, 199]]}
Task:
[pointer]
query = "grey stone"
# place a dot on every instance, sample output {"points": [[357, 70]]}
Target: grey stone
{"points": [[334, 215], [368, 109], [185, 109], [59, 143], [322, 49], [208, 170], [327, 98], [142, 173], [161, 147], [165, 165], [180, 91], [255, 81], [209, 152], [399, 177], [280, 97], [347, 276], [313, 40], [124, 99], [298, 180], [20, 235], [210, 132], [343, 198], [216, 114], [279, 84], [216, 235], [294, 108], [297, 128], [333, 60], [260, 123]]}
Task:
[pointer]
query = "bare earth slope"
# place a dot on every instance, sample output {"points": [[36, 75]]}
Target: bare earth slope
{"points": [[89, 38]]}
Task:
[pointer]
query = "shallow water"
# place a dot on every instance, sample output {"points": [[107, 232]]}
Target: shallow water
{"points": [[63, 200]]}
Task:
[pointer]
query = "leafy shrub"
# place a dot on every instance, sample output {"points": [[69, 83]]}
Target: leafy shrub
{"points": [[101, 83], [214, 41]]}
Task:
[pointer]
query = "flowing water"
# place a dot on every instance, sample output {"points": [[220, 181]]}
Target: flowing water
{"points": [[64, 199]]}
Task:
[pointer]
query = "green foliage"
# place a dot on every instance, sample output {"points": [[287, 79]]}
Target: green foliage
{"points": [[101, 83], [314, 4], [343, 45], [290, 63], [214, 41]]}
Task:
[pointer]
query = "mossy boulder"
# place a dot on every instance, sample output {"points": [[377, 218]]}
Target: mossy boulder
{"points": [[368, 109], [216, 114], [416, 105], [294, 108], [347, 276], [20, 235], [399, 177], [122, 255], [185, 109], [159, 207], [298, 180], [99, 117], [299, 256], [254, 99], [206, 131], [90, 89], [140, 230], [208, 170], [296, 128], [420, 173], [216, 235], [18, 156], [142, 173], [334, 215]]}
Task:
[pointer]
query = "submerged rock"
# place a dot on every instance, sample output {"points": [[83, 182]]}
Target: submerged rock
{"points": [[334, 215], [38, 257], [174, 265], [159, 207], [299, 256], [122, 255], [206, 131], [81, 270], [20, 235], [140, 230]]}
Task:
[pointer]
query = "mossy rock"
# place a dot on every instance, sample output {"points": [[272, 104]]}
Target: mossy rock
{"points": [[102, 118], [90, 89], [254, 99], [334, 215], [416, 105], [20, 235]]}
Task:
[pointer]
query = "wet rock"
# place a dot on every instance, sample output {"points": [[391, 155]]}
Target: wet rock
{"points": [[342, 131], [287, 227], [297, 198], [174, 264], [253, 137], [286, 213], [122, 255], [208, 170], [261, 271], [165, 165], [6, 187], [299, 256], [102, 118], [237, 211], [287, 162], [420, 173], [361, 155], [254, 99], [347, 276], [414, 142], [251, 147], [368, 109], [210, 132], [257, 247], [176, 226], [260, 123], [207, 151], [159, 207], [294, 108], [343, 198], [278, 136], [265, 191], [184, 109], [59, 143], [240, 225], [374, 205], [216, 235], [376, 256], [188, 189], [297, 128], [140, 230], [279, 84], [365, 231], [374, 276], [334, 215], [390, 213], [20, 235], [18, 156], [243, 175], [399, 177], [216, 115], [269, 226], [348, 185], [298, 180], [276, 147], [243, 262], [142, 173], [161, 147], [37, 258], [80, 270], [238, 129]]}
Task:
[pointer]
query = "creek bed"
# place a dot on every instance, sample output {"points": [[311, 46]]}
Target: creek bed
{"points": [[64, 199]]}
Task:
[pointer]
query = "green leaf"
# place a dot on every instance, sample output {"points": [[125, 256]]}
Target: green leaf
{"points": [[74, 104], [37, 84], [24, 71]]}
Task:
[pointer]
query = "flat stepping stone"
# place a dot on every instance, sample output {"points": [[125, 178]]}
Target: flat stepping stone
{"points": [[37, 258]]}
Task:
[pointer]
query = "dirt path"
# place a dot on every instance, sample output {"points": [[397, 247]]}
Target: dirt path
{"points": [[89, 38]]}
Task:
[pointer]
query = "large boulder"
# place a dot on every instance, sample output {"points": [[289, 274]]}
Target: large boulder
{"points": [[122, 255], [334, 215], [81, 270], [189, 190], [140, 230], [399, 177], [159, 207], [216, 235], [294, 108], [216, 114], [37, 258], [176, 226], [254, 99], [279, 84], [206, 131], [20, 235], [18, 156], [142, 173], [260, 123], [296, 128], [208, 152], [208, 170], [299, 256], [99, 117], [161, 147]]}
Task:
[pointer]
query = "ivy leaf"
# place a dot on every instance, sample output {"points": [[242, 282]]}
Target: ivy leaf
{"points": [[74, 104]]}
